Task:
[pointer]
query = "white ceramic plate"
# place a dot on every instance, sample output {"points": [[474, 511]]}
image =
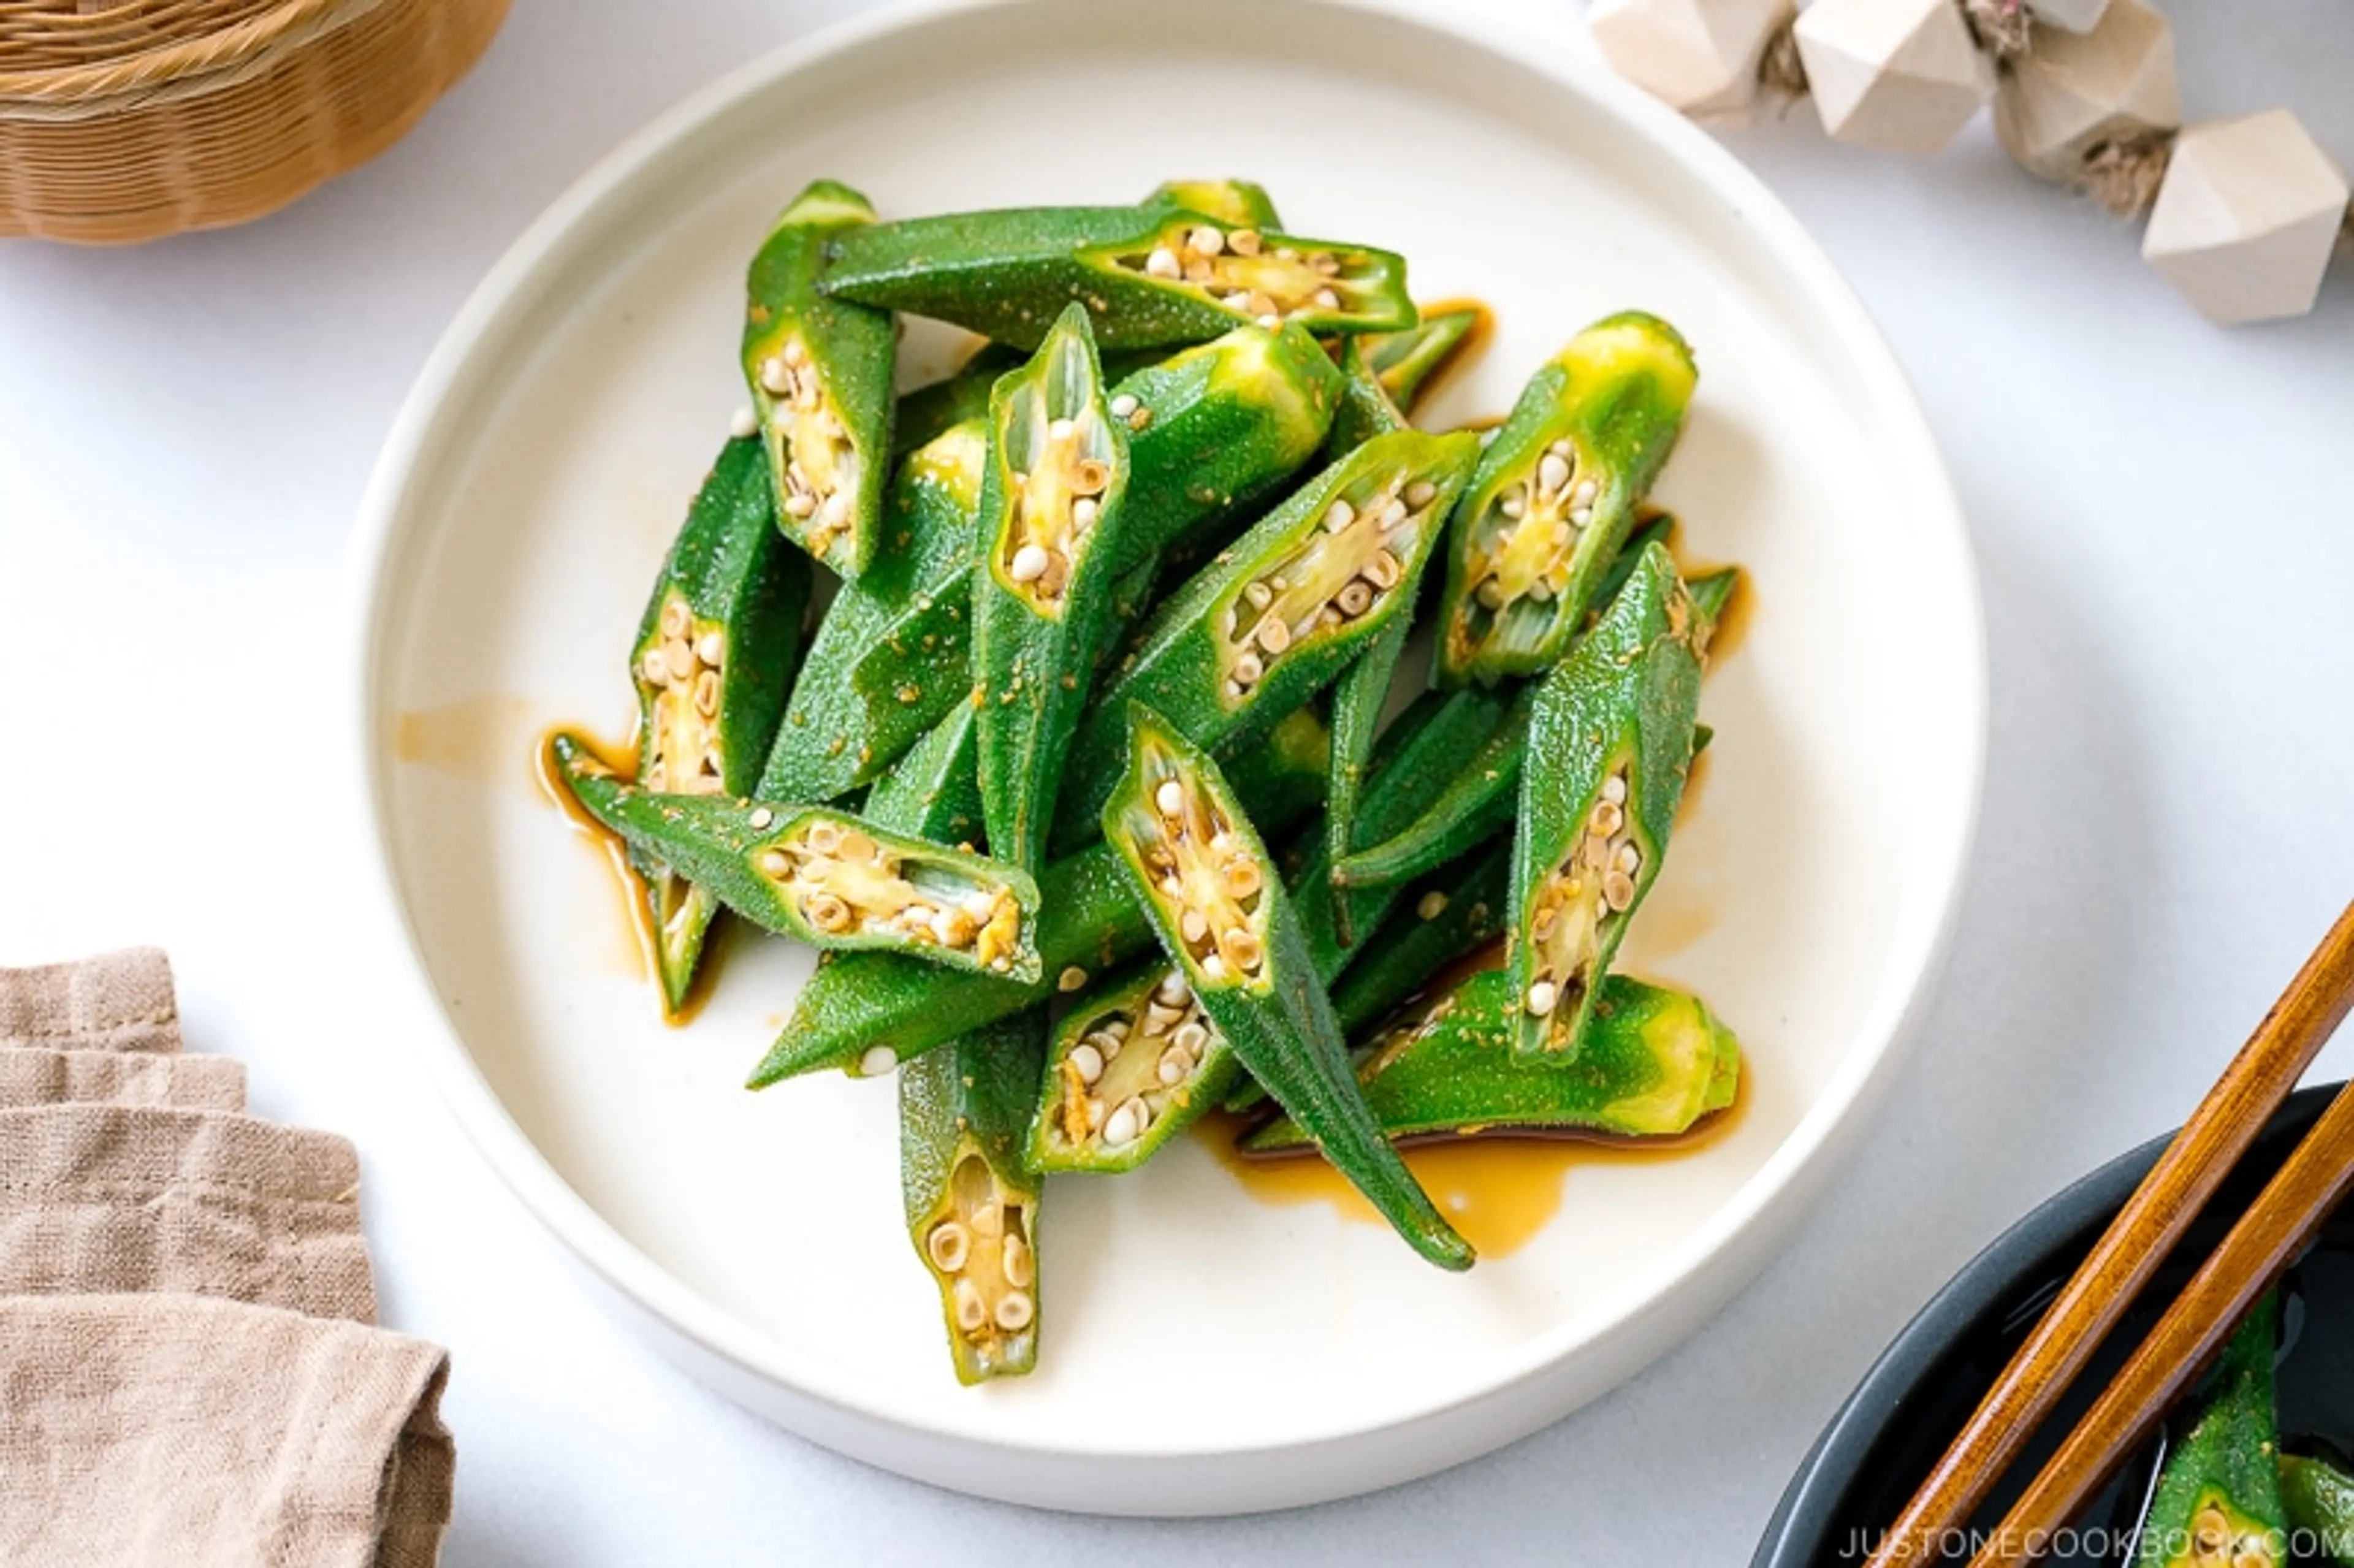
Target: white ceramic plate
{"points": [[1203, 1352]]}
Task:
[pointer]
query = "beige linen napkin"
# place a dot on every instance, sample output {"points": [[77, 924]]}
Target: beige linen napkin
{"points": [[115, 1001], [97, 1198], [31, 1078], [154, 1430]]}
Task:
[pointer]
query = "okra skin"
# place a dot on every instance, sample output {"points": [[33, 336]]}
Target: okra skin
{"points": [[934, 792], [819, 371], [1656, 1062], [860, 1007], [1480, 801], [2318, 1505], [933, 409], [894, 652], [1238, 203], [971, 1204], [1227, 653], [1614, 719], [1255, 978], [1530, 542], [1366, 409], [1449, 914], [829, 878], [713, 656], [1052, 503], [2218, 1500], [1411, 363], [1358, 698], [1008, 274]]}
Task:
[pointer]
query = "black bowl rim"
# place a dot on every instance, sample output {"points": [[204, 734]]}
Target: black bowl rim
{"points": [[1810, 1501]]}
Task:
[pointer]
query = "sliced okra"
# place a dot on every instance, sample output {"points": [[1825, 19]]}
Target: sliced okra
{"points": [[1610, 745], [1656, 1061], [2218, 1499], [1358, 699], [1478, 801], [1456, 910], [2318, 1505], [832, 879], [893, 654], [866, 1012], [934, 791], [1555, 495], [1206, 882], [1411, 363], [1713, 594], [1283, 609], [1149, 275], [1135, 1063], [971, 1205], [1238, 203], [819, 370], [1366, 409], [713, 657]]}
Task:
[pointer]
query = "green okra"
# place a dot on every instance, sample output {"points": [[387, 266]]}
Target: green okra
{"points": [[865, 1013], [1480, 801], [1408, 364], [1238, 203], [2318, 1505], [1555, 495], [1358, 698], [819, 369], [1284, 610], [832, 879], [713, 656], [1366, 409], [1656, 1061], [1454, 911], [1711, 594], [933, 409], [1202, 875], [893, 654], [934, 791], [1150, 276], [2218, 1501], [1610, 745], [972, 1204], [1053, 502]]}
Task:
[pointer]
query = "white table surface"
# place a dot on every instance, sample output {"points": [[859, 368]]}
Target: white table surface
{"points": [[2165, 524]]}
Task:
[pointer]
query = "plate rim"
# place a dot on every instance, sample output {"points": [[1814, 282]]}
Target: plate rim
{"points": [[1524, 1392]]}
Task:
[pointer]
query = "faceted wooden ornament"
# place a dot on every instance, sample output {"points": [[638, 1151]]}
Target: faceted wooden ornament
{"points": [[1698, 56], [2072, 92], [2068, 16], [1901, 75], [2246, 218]]}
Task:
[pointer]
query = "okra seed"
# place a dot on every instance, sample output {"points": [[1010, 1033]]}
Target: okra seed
{"points": [[794, 352], [1325, 262], [1172, 990], [1271, 321], [1586, 492], [1512, 506], [743, 422], [949, 1246], [1606, 817], [857, 848], [1421, 494], [989, 1220], [1542, 591], [761, 817], [1259, 593], [1191, 1037], [1491, 594], [1194, 924], [824, 837], [710, 647], [776, 864], [1104, 1041], [1091, 475], [1541, 996], [1553, 473], [1626, 858], [706, 692], [776, 376], [801, 503], [1581, 516], [1618, 891], [972, 1311], [1232, 689], [834, 510], [1207, 241], [1087, 1062], [1123, 405], [1614, 789], [1213, 968], [1071, 979], [657, 669], [1162, 263], [1117, 1027], [1161, 1019], [1013, 1261], [1274, 635], [1356, 598], [1286, 253], [1173, 1066], [1240, 949], [827, 912], [878, 1060], [1326, 299], [1235, 300], [1095, 1116], [1029, 563], [1339, 515], [1433, 904], [1247, 670], [1170, 797], [1242, 876], [1244, 241], [1383, 571], [1124, 1125]]}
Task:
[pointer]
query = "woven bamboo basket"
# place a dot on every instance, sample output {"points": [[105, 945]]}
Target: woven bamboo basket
{"points": [[127, 120]]}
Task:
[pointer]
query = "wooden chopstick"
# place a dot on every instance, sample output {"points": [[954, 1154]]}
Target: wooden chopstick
{"points": [[2266, 1068], [2267, 1239]]}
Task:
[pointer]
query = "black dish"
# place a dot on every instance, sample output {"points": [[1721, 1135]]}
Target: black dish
{"points": [[1881, 1442]]}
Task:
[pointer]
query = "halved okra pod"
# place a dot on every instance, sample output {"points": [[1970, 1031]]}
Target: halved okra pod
{"points": [[971, 1205], [1557, 493], [1654, 1064], [1053, 498], [1454, 911], [1283, 609], [713, 657], [1150, 275], [866, 1012], [1411, 363], [893, 653], [1610, 745], [1209, 887], [819, 370], [2218, 1499], [832, 879]]}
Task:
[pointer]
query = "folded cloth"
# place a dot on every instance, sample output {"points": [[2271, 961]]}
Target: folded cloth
{"points": [[99, 1198], [115, 1001], [146, 1431], [31, 1078]]}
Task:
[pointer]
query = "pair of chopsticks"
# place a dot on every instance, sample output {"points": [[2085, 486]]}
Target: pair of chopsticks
{"points": [[2171, 1358]]}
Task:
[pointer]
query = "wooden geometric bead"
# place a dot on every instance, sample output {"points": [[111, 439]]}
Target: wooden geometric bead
{"points": [[2246, 218], [2068, 16], [1901, 75], [1698, 56], [2070, 92]]}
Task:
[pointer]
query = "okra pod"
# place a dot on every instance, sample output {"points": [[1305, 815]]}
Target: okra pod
{"points": [[713, 657], [1610, 745], [819, 370], [1238, 203], [1283, 609], [1206, 882], [934, 792], [1410, 364], [1149, 275], [1555, 495], [1358, 698], [893, 653], [1366, 409], [865, 1013], [2218, 1499], [1452, 912], [1480, 801], [832, 879], [971, 1205], [1654, 1062], [2318, 1505], [1053, 498]]}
